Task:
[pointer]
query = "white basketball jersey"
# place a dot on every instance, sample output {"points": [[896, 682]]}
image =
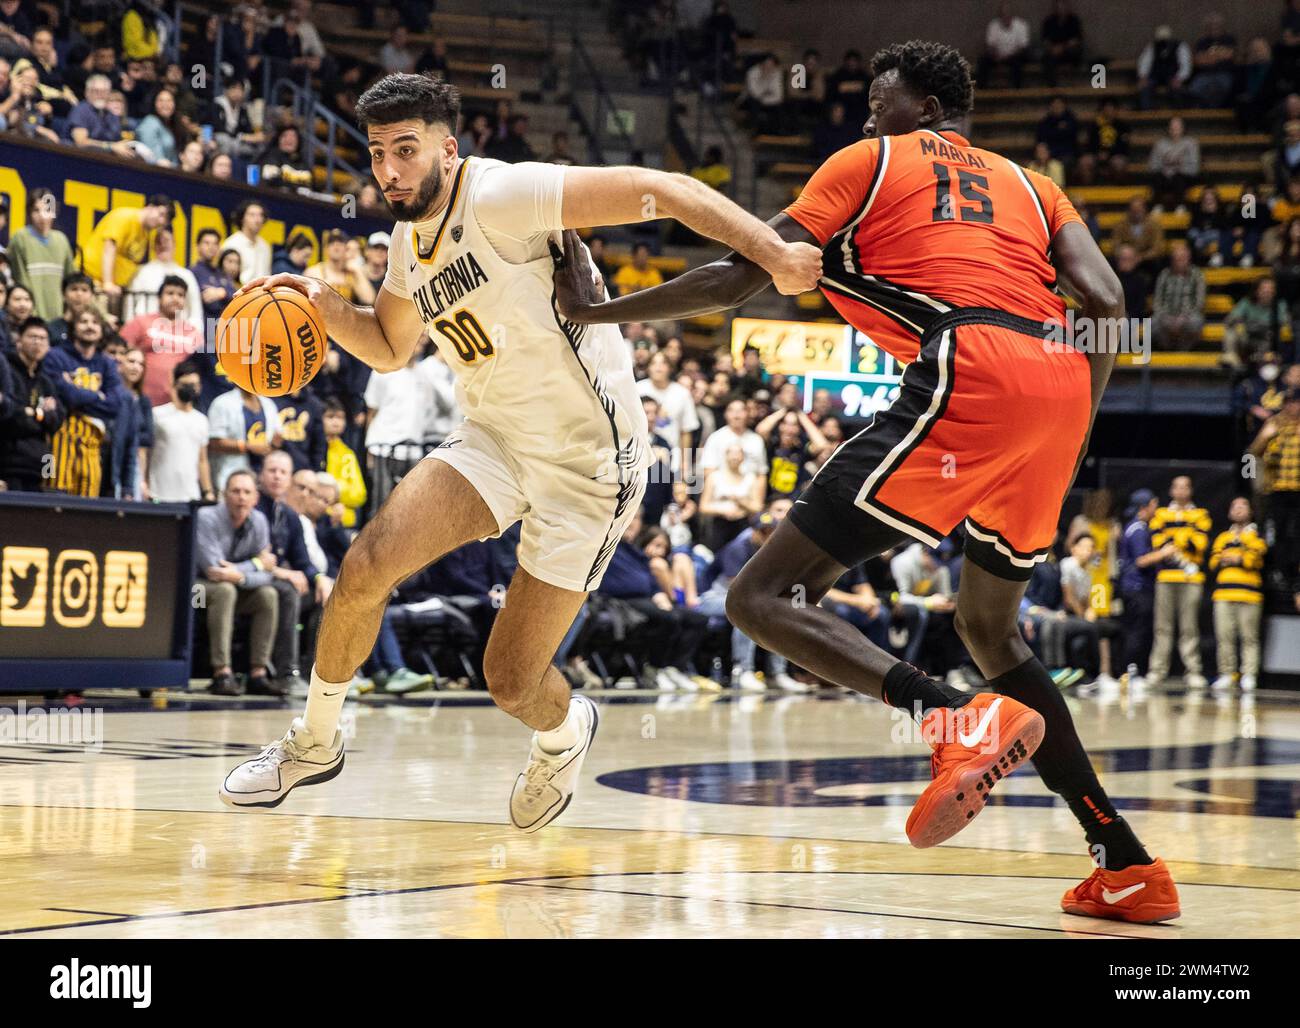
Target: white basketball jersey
{"points": [[545, 387]]}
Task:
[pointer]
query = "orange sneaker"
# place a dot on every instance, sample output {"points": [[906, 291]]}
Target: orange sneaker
{"points": [[1143, 894], [975, 747]]}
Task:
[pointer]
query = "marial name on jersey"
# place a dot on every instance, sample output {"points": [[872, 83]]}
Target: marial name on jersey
{"points": [[459, 278], [945, 151]]}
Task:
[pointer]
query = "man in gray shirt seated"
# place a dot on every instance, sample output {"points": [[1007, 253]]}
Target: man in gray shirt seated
{"points": [[233, 563]]}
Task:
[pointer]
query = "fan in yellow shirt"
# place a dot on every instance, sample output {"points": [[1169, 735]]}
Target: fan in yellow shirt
{"points": [[342, 463], [638, 274], [1237, 560], [119, 243]]}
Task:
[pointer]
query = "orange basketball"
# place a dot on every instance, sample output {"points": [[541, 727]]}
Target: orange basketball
{"points": [[270, 341]]}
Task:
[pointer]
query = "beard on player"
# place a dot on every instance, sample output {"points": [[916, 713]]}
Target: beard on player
{"points": [[419, 206]]}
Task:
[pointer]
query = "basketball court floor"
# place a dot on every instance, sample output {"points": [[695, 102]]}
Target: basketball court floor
{"points": [[699, 816]]}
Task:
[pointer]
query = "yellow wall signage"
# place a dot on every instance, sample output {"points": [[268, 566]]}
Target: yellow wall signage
{"points": [[793, 347]]}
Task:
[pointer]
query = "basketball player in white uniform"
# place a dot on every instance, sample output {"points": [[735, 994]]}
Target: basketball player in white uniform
{"points": [[553, 434]]}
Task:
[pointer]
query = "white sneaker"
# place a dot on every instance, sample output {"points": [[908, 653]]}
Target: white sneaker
{"points": [[295, 760], [747, 681], [546, 786], [784, 681], [685, 682], [665, 682], [626, 682], [1223, 683], [1248, 683], [360, 685], [1103, 687], [1195, 681]]}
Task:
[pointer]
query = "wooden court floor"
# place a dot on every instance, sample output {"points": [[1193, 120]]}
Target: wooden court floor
{"points": [[698, 816]]}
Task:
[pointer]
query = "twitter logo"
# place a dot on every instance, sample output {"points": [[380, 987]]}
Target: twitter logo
{"points": [[24, 572]]}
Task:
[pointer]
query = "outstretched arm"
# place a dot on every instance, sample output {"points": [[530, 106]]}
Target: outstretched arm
{"points": [[725, 283], [626, 195]]}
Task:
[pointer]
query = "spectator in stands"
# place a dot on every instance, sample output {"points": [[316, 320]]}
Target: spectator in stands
{"points": [[342, 464], [166, 335], [254, 251], [220, 166], [235, 134], [243, 46], [473, 141], [1062, 40], [30, 414], [1142, 230], [1178, 308], [19, 305], [1179, 583], [1006, 45], [191, 158], [161, 131], [301, 430], [1256, 95], [91, 390], [1175, 161], [375, 266], [119, 244], [92, 125], [132, 432], [40, 256], [713, 171], [1208, 232], [396, 55], [294, 257], [560, 153], [732, 495], [854, 598], [231, 551], [397, 403], [1237, 562], [78, 295], [849, 84], [659, 484], [215, 287], [17, 26], [1164, 68], [1137, 582], [348, 279], [1277, 447], [1066, 644], [514, 147], [638, 273], [735, 430], [764, 97], [1286, 164], [1106, 147], [1214, 60], [835, 132], [243, 427], [927, 602], [1253, 326], [142, 293], [793, 443], [669, 635], [189, 119], [289, 51], [1059, 129], [808, 89], [26, 111], [433, 61], [294, 577], [282, 164], [178, 469], [677, 417], [1045, 164], [1083, 600]]}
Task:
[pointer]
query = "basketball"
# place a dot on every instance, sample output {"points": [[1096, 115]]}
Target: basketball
{"points": [[270, 341]]}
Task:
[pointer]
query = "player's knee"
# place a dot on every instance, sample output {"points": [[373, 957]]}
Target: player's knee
{"points": [[508, 682], [741, 607], [984, 631], [362, 574]]}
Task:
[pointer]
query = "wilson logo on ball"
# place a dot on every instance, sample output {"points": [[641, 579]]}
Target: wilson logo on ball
{"points": [[270, 341]]}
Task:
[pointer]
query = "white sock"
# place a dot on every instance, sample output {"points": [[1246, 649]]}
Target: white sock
{"points": [[563, 736], [324, 707]]}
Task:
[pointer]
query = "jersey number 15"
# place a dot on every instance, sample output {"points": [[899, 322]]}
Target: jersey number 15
{"points": [[970, 184]]}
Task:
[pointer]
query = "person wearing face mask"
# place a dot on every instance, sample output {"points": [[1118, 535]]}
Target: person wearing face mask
{"points": [[178, 465]]}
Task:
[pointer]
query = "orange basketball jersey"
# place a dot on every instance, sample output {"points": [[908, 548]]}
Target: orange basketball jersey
{"points": [[916, 225]]}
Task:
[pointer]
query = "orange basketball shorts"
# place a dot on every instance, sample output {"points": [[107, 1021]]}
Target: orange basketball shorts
{"points": [[987, 427]]}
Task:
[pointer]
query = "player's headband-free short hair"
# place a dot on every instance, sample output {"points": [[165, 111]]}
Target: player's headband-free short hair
{"points": [[401, 96], [930, 69]]}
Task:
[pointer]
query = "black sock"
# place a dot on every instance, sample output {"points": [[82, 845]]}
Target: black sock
{"points": [[908, 689], [1063, 764]]}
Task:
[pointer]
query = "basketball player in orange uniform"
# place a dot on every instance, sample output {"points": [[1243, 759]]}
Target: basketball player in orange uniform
{"points": [[948, 257]]}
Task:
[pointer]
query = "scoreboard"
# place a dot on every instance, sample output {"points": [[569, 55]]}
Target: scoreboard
{"points": [[860, 376]]}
